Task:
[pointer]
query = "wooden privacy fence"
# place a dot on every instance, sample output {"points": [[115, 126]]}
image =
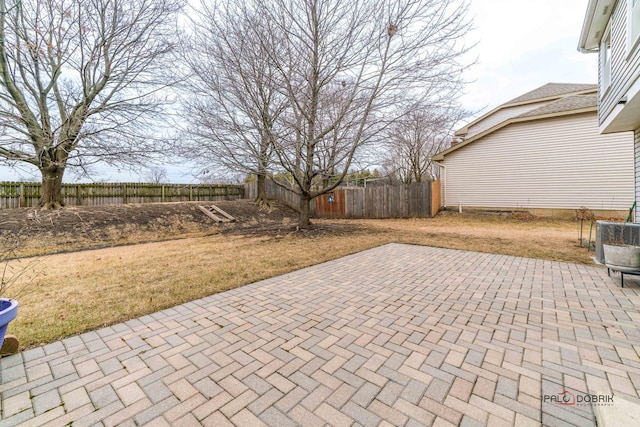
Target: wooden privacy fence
{"points": [[27, 194], [419, 200], [416, 200], [275, 192]]}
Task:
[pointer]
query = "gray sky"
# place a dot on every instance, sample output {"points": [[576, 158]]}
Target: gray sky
{"points": [[522, 44], [525, 44]]}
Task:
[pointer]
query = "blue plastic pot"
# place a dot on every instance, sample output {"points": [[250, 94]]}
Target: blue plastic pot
{"points": [[8, 312]]}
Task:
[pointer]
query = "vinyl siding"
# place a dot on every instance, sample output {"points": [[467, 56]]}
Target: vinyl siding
{"points": [[636, 147], [501, 116], [623, 71], [556, 163]]}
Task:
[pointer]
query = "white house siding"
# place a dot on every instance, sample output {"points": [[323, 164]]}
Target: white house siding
{"points": [[636, 147], [623, 68], [500, 116], [556, 163]]}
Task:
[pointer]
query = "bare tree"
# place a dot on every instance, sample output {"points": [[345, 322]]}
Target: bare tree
{"points": [[345, 68], [232, 103], [415, 138], [79, 80], [156, 175]]}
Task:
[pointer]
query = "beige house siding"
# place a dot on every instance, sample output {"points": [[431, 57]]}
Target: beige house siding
{"points": [[501, 116], [623, 67], [554, 163]]}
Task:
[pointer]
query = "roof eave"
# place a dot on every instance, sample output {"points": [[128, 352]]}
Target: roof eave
{"points": [[594, 24], [586, 25], [463, 131]]}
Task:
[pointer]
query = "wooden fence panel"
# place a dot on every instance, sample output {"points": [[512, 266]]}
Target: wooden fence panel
{"points": [[421, 200], [354, 203], [436, 197], [391, 201], [250, 190], [331, 205], [27, 194], [394, 197], [18, 194], [419, 196], [400, 209], [376, 202], [284, 195], [10, 195], [389, 197]]}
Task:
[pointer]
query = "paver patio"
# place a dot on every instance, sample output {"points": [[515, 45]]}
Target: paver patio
{"points": [[398, 335]]}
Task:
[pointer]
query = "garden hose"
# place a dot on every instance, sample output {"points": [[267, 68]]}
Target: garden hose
{"points": [[630, 212]]}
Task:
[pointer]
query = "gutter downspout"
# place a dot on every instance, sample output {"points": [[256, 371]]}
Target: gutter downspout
{"points": [[444, 184]]}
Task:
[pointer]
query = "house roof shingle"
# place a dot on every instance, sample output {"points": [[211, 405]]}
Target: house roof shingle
{"points": [[570, 103], [551, 90], [546, 93]]}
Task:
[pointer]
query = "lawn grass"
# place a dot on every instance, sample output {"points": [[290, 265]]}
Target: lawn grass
{"points": [[85, 290]]}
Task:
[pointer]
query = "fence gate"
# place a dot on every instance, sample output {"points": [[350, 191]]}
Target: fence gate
{"points": [[332, 205]]}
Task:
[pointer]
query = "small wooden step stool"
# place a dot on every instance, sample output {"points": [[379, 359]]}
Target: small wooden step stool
{"points": [[209, 211]]}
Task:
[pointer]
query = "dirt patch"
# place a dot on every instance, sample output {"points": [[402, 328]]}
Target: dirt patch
{"points": [[88, 227]]}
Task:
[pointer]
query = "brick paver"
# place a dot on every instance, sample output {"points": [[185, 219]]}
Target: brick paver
{"points": [[396, 335]]}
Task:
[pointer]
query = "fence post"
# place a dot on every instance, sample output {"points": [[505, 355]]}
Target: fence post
{"points": [[78, 196], [124, 194], [162, 194], [429, 199], [436, 197], [21, 198], [190, 193]]}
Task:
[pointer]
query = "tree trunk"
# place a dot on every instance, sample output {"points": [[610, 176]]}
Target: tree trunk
{"points": [[262, 189], [51, 191], [305, 211], [325, 182]]}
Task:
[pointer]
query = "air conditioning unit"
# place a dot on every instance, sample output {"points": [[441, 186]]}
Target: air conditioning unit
{"points": [[627, 233]]}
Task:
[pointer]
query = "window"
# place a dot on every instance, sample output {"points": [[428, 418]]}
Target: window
{"points": [[605, 62], [634, 23]]}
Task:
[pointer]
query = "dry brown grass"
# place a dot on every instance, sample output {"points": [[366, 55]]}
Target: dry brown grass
{"points": [[85, 290], [532, 238]]}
